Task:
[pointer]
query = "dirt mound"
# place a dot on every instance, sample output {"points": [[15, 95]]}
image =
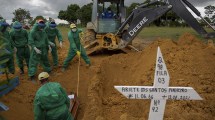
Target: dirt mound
{"points": [[190, 63]]}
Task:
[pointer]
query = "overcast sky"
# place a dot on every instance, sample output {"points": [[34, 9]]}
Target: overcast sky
{"points": [[50, 8]]}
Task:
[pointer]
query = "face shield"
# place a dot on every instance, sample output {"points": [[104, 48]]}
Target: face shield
{"points": [[17, 27], [52, 25]]}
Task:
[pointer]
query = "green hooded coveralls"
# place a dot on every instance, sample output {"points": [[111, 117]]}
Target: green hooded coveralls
{"points": [[51, 103], [75, 45], [39, 39], [19, 39], [52, 33], [6, 36]]}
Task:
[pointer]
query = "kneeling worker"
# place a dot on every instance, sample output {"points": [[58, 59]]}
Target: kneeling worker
{"points": [[51, 101]]}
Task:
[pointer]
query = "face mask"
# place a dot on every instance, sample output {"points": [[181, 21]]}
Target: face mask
{"points": [[52, 28], [109, 11], [74, 30]]}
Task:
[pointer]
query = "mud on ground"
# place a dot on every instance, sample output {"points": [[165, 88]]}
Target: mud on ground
{"points": [[190, 63]]}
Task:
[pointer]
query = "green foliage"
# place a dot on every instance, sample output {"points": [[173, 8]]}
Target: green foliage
{"points": [[209, 10], [207, 19], [70, 14], [21, 14], [210, 14], [168, 19], [113, 8], [213, 19], [164, 32], [131, 8], [147, 1], [84, 14], [62, 15]]}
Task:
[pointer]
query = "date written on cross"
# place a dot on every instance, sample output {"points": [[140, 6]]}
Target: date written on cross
{"points": [[147, 92]]}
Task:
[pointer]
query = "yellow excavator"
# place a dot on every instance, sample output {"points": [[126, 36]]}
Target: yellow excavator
{"points": [[118, 31]]}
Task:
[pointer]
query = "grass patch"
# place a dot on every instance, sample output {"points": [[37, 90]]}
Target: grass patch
{"points": [[168, 32], [153, 32]]}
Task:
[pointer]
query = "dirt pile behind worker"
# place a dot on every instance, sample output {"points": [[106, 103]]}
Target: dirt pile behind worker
{"points": [[190, 64]]}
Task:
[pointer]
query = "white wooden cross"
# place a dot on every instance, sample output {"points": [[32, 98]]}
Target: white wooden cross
{"points": [[160, 92]]}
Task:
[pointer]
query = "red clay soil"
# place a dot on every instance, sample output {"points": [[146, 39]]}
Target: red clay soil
{"points": [[190, 63]]}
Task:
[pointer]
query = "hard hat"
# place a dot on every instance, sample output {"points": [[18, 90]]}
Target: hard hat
{"points": [[43, 75], [72, 26]]}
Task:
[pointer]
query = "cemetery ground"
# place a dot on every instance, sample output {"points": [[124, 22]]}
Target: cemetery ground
{"points": [[189, 60]]}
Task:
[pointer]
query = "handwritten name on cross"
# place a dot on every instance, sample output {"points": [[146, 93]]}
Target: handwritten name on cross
{"points": [[160, 91]]}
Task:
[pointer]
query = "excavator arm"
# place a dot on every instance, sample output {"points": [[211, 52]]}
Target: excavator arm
{"points": [[147, 13]]}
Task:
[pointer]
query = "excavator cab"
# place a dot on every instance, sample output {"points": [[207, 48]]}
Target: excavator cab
{"points": [[107, 17], [119, 31]]}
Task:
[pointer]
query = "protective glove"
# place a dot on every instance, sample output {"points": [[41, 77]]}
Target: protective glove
{"points": [[37, 50], [50, 49], [78, 53], [81, 33], [52, 44], [61, 44], [15, 49]]}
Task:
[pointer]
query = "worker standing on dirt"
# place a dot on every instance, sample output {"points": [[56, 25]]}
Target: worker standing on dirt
{"points": [[75, 47], [19, 40], [5, 33], [38, 40], [51, 101], [52, 32]]}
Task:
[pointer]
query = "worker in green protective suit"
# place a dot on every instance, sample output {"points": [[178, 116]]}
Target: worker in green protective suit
{"points": [[38, 40], [19, 40], [52, 32], [51, 101], [75, 47], [5, 33]]}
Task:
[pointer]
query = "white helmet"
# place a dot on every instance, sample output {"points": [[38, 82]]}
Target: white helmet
{"points": [[43, 75]]}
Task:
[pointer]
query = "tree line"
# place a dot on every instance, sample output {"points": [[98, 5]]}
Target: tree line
{"points": [[74, 12]]}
